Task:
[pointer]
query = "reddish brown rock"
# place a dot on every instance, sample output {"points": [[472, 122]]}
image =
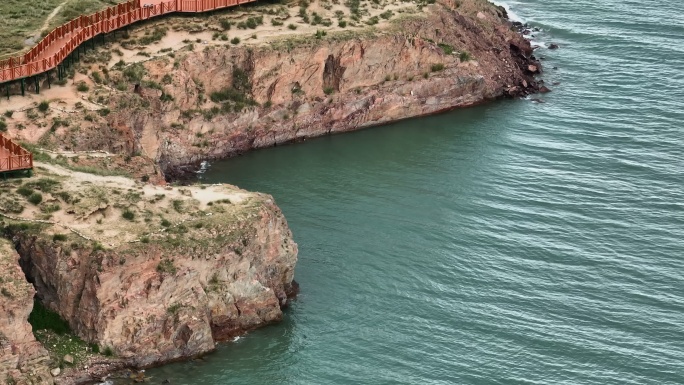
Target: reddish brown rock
{"points": [[23, 360]]}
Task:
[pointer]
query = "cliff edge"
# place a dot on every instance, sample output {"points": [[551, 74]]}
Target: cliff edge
{"points": [[148, 274]]}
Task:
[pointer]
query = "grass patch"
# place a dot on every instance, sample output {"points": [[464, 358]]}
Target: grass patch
{"points": [[437, 67], [166, 266], [128, 215], [42, 318], [35, 198]]}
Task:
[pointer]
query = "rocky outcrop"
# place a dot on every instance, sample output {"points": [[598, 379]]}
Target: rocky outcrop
{"points": [[23, 360], [154, 274], [223, 101]]}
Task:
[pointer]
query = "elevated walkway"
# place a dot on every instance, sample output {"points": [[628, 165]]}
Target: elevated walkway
{"points": [[54, 48], [13, 157]]}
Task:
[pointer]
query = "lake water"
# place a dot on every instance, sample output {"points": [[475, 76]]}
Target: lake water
{"points": [[512, 243]]}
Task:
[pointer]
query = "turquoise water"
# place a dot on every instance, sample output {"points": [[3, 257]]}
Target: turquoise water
{"points": [[513, 243]]}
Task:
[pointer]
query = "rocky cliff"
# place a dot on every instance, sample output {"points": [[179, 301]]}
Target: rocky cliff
{"points": [[150, 274], [23, 360], [225, 101], [209, 100]]}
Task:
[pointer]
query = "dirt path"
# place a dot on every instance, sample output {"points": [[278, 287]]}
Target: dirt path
{"points": [[51, 16]]}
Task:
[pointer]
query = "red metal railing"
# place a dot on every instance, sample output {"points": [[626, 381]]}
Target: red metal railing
{"points": [[13, 156], [63, 40]]}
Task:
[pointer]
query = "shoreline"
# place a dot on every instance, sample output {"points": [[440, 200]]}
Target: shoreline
{"points": [[177, 116]]}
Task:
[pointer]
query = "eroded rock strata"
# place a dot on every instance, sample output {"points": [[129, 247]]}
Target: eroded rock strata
{"points": [[222, 100], [153, 274], [23, 360]]}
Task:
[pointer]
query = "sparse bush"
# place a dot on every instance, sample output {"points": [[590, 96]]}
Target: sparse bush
{"points": [[24, 191], [128, 215], [436, 67], [225, 24], [328, 90], [97, 77], [446, 48], [44, 106], [35, 198], [342, 24], [464, 56], [373, 20], [235, 40], [9, 113], [82, 87], [166, 266], [292, 27], [59, 237], [3, 126]]}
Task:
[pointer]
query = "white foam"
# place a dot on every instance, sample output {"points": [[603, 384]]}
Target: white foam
{"points": [[512, 16]]}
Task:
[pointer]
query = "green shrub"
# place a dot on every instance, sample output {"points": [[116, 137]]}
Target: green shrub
{"points": [[35, 198], [59, 237], [166, 266], [128, 215], [108, 352], [165, 223], [166, 97], [387, 15], [328, 90], [436, 67], [446, 48], [464, 56], [235, 40], [134, 72], [373, 20], [342, 24], [292, 27], [97, 77], [3, 126], [9, 113], [225, 24], [44, 106], [24, 191], [82, 87]]}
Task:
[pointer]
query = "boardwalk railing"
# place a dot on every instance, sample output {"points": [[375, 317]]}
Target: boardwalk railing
{"points": [[63, 40], [13, 156]]}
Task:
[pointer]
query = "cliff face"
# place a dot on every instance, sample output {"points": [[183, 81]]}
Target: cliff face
{"points": [[23, 360], [224, 101], [153, 273]]}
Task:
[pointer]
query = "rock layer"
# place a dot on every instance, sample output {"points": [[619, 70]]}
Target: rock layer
{"points": [[450, 56], [23, 360], [153, 273]]}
